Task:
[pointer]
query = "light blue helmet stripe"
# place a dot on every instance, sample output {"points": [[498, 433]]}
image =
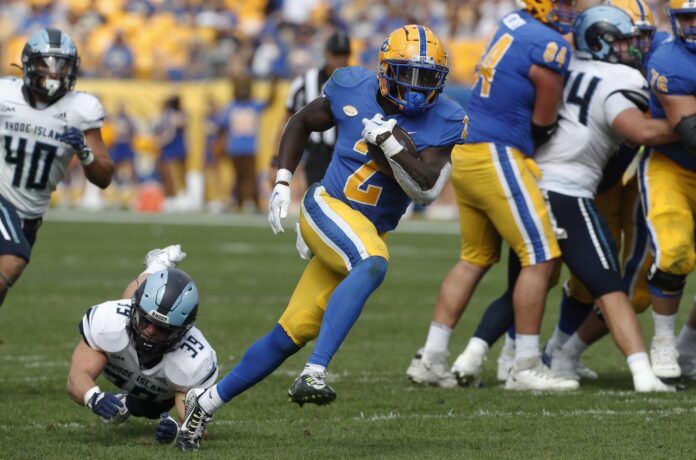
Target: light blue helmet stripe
{"points": [[169, 296], [423, 41]]}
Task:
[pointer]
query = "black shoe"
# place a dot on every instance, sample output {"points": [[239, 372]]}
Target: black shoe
{"points": [[311, 388]]}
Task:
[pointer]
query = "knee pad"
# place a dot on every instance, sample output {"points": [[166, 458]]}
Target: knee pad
{"points": [[664, 284]]}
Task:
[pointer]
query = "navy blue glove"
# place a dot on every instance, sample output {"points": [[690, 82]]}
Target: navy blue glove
{"points": [[75, 138], [105, 405], [167, 429]]}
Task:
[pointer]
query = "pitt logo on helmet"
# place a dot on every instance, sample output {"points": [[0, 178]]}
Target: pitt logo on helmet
{"points": [[560, 14], [683, 16], [412, 68]]}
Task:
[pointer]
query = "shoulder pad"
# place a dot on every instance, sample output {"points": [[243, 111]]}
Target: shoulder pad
{"points": [[89, 110], [193, 364], [449, 109], [350, 77], [104, 326]]}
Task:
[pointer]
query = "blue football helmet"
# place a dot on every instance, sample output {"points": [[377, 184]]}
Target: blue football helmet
{"points": [[50, 63], [598, 29], [167, 300]]}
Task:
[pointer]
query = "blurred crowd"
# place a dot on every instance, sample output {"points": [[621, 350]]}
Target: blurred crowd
{"points": [[193, 39]]}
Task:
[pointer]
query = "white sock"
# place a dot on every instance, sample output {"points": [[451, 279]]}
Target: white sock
{"points": [[574, 347], [313, 369], [664, 324], [526, 346], [639, 363], [509, 344], [479, 343], [211, 401], [438, 338], [686, 342], [558, 338]]}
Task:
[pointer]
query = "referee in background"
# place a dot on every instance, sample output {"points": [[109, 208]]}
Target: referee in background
{"points": [[305, 89]]}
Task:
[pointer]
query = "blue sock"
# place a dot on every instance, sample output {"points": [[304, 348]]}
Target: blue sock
{"points": [[261, 359], [345, 305], [573, 313], [511, 332]]}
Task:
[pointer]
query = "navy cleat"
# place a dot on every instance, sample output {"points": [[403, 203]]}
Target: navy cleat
{"points": [[311, 388]]}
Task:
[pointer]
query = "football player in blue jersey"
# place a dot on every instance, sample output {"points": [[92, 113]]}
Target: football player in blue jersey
{"points": [[514, 108], [345, 217], [667, 180]]}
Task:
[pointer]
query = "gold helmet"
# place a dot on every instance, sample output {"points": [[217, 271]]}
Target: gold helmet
{"points": [[642, 17], [687, 35], [547, 11], [412, 68]]}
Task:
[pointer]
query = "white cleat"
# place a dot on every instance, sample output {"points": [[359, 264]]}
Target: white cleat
{"points": [[647, 382], [431, 369], [664, 358], [505, 362], [170, 257], [532, 375], [469, 364]]}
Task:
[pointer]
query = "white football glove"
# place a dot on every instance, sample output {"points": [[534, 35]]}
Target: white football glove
{"points": [[278, 207], [302, 248], [375, 127]]}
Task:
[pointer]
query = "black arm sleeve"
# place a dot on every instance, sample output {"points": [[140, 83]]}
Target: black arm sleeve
{"points": [[541, 134], [686, 130]]}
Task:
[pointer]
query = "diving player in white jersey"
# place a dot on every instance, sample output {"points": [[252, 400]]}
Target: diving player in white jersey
{"points": [[145, 344], [604, 100], [43, 122]]}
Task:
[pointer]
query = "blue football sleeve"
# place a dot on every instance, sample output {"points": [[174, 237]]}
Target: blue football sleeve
{"points": [[553, 54]]}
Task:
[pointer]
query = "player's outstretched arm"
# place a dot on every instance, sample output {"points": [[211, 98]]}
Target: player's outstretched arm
{"points": [[636, 129], [315, 116], [681, 115], [86, 365], [548, 86]]}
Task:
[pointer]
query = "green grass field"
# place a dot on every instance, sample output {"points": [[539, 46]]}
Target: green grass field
{"points": [[245, 276]]}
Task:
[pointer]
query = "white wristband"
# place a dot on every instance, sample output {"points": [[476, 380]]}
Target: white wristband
{"points": [[88, 160], [391, 146], [90, 393], [283, 175]]}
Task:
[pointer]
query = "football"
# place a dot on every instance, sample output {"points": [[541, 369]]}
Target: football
{"points": [[378, 156]]}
